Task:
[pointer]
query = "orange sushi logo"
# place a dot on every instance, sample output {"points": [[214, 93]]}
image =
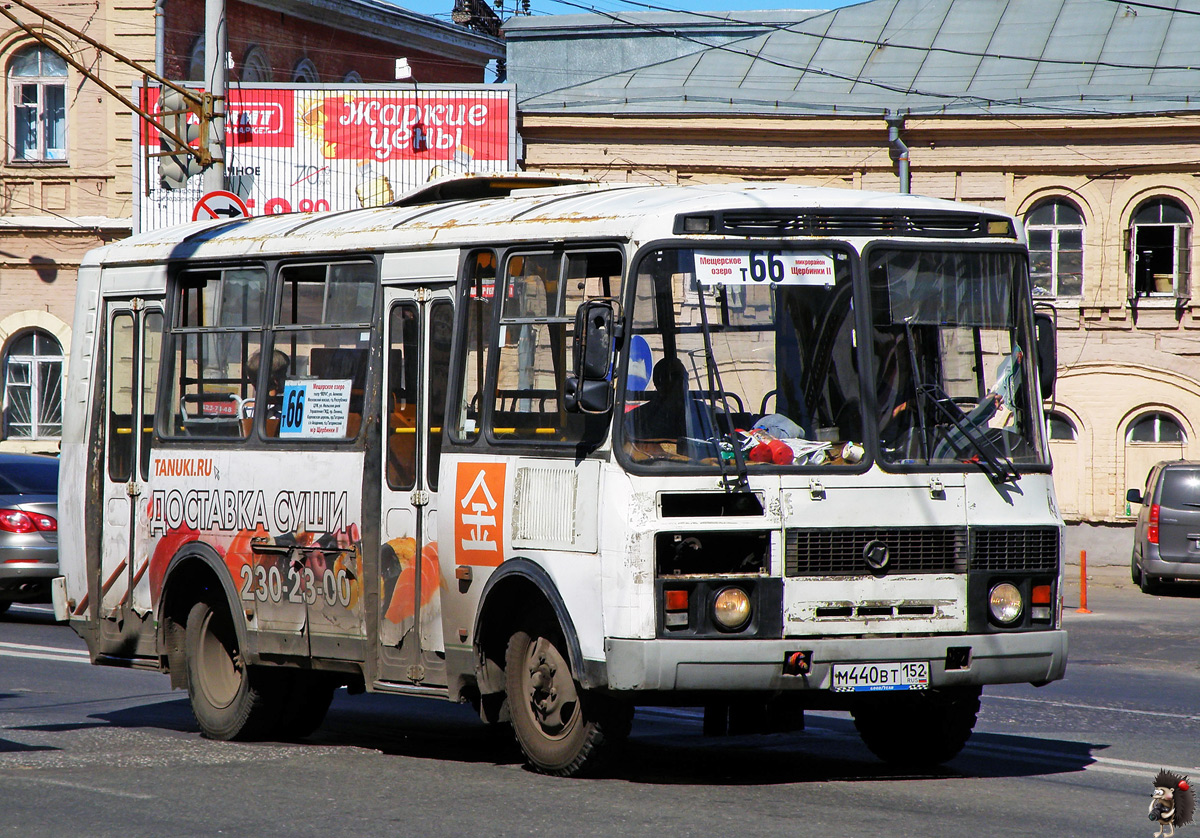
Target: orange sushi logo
{"points": [[478, 514]]}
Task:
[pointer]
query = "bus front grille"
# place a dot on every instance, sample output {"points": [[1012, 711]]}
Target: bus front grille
{"points": [[1015, 549], [844, 551]]}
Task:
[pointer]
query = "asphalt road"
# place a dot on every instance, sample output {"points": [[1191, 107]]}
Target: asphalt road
{"points": [[92, 751]]}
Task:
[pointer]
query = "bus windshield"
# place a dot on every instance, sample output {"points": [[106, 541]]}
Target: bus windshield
{"points": [[953, 362], [757, 349], [727, 340]]}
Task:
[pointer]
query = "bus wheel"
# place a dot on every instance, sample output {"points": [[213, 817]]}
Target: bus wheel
{"points": [[229, 699], [919, 731], [561, 727]]}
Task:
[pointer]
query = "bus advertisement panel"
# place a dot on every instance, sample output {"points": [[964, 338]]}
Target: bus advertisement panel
{"points": [[308, 148]]}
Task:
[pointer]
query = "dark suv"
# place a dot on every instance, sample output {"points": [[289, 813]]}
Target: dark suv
{"points": [[1166, 542]]}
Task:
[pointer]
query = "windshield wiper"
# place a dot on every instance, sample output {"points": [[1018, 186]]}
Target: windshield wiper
{"points": [[740, 480], [998, 468]]}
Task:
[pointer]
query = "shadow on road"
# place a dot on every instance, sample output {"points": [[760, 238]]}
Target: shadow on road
{"points": [[667, 746]]}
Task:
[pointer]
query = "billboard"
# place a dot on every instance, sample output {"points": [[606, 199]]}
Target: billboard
{"points": [[311, 148]]}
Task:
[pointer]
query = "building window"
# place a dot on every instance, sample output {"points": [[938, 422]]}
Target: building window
{"points": [[196, 61], [255, 66], [1055, 230], [353, 77], [1156, 427], [305, 73], [37, 95], [1060, 428], [33, 387], [1161, 253]]}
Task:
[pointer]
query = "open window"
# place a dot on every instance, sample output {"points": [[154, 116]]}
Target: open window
{"points": [[1160, 255]]}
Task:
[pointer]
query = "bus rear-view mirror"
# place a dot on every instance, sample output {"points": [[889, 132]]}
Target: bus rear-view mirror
{"points": [[1047, 351], [589, 389]]}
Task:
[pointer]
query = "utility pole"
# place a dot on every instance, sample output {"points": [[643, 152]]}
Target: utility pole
{"points": [[216, 47]]}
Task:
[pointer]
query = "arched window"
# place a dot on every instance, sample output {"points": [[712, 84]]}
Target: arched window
{"points": [[1060, 428], [255, 66], [33, 386], [196, 61], [1055, 230], [305, 72], [353, 77], [37, 96], [1156, 427], [1160, 252]]}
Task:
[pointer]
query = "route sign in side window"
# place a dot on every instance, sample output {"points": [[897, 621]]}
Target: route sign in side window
{"points": [[319, 351]]}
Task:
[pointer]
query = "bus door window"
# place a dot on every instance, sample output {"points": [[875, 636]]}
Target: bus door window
{"points": [[323, 331], [542, 293], [441, 332], [121, 421], [477, 327], [403, 393], [216, 328], [152, 329]]}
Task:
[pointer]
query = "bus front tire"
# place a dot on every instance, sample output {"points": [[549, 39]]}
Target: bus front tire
{"points": [[230, 700], [562, 729], [920, 731]]}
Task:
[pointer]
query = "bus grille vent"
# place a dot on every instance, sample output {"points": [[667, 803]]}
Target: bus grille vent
{"points": [[544, 504], [842, 551], [1006, 548], [834, 223]]}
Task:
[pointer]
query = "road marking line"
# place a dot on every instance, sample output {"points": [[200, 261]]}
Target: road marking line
{"points": [[48, 653], [1156, 713], [81, 787]]}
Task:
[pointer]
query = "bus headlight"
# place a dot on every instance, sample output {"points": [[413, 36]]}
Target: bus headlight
{"points": [[731, 608], [1005, 603]]}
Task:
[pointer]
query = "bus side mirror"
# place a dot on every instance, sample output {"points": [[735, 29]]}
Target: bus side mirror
{"points": [[1045, 332], [589, 389]]}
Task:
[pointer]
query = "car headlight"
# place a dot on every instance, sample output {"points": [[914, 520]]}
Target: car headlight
{"points": [[1005, 603], [731, 608]]}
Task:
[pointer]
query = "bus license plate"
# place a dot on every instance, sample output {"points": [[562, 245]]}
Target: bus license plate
{"points": [[881, 677]]}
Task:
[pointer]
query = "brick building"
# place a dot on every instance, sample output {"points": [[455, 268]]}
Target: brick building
{"points": [[66, 174], [1081, 116]]}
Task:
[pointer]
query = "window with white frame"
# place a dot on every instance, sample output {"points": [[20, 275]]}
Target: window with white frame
{"points": [[1160, 249], [1156, 427], [1060, 428], [33, 387], [1055, 230], [37, 96]]}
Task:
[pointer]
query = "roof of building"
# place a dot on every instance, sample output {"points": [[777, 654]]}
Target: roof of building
{"points": [[962, 57]]}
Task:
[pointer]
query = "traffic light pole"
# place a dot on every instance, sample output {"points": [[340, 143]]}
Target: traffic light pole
{"points": [[216, 47]]}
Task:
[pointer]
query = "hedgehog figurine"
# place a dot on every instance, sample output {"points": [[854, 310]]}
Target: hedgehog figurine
{"points": [[1172, 803]]}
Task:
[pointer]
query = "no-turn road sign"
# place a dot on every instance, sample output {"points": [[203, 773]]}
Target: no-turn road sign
{"points": [[219, 204]]}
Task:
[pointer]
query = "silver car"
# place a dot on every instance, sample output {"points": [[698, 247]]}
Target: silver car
{"points": [[1166, 541], [28, 527]]}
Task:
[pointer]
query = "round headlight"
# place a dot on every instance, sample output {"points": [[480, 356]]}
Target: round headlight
{"points": [[731, 608], [1005, 603]]}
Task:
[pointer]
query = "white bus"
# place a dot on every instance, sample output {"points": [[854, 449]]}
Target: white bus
{"points": [[566, 451]]}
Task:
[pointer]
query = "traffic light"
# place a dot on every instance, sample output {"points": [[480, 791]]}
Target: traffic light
{"points": [[176, 163]]}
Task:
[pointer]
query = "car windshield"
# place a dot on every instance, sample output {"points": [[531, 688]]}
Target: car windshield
{"points": [[952, 340], [753, 348], [29, 477]]}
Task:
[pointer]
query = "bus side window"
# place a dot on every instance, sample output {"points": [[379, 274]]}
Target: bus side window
{"points": [[477, 325], [402, 401], [323, 328], [215, 330]]}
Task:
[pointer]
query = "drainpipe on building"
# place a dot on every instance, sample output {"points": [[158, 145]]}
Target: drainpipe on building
{"points": [[160, 38], [897, 150]]}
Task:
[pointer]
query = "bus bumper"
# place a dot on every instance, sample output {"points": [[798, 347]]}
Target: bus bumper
{"points": [[1036, 657]]}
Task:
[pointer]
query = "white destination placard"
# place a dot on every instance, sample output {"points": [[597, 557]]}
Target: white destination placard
{"points": [[315, 408], [764, 267]]}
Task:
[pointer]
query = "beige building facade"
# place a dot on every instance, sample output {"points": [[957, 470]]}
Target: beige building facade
{"points": [[66, 179], [1109, 199]]}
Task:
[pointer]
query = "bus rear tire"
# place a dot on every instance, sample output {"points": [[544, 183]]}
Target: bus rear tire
{"points": [[562, 728], [230, 700], [920, 731]]}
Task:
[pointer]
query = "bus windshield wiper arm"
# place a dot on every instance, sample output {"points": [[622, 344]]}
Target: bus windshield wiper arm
{"points": [[740, 480], [998, 468]]}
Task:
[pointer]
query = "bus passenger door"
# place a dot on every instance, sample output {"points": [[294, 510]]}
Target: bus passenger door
{"points": [[134, 342], [416, 367]]}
